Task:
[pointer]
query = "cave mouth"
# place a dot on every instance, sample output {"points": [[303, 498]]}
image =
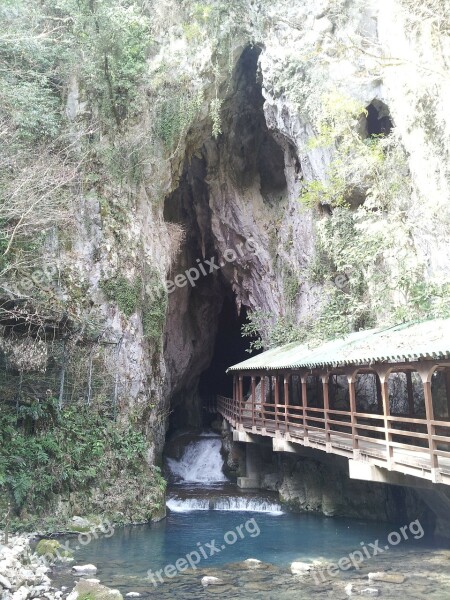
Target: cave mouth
{"points": [[203, 327], [378, 120], [230, 348]]}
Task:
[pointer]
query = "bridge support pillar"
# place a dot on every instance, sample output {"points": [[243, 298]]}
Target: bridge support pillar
{"points": [[252, 468]]}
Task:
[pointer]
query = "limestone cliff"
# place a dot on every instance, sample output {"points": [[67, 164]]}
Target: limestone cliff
{"points": [[316, 130]]}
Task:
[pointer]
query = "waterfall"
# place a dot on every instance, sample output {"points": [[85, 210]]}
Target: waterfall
{"points": [[201, 462], [238, 504]]}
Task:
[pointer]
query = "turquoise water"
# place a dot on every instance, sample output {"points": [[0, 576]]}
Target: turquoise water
{"points": [[133, 551], [213, 528]]}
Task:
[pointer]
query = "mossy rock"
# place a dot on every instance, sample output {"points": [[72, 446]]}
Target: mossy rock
{"points": [[48, 548], [52, 549], [88, 590]]}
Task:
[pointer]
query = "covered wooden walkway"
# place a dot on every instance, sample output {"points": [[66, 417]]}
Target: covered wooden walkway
{"points": [[380, 396]]}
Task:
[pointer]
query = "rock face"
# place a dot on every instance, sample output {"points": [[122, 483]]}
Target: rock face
{"points": [[270, 78]]}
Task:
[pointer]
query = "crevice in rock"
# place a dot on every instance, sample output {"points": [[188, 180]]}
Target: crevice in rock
{"points": [[378, 120], [252, 150]]}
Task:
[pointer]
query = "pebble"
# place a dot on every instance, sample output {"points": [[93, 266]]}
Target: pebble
{"points": [[373, 592], [387, 577], [207, 580], [300, 568], [84, 569], [349, 589]]}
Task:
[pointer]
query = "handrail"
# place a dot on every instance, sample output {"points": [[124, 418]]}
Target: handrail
{"points": [[390, 431]]}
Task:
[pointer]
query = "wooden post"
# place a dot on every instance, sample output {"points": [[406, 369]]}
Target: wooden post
{"points": [[447, 389], [409, 387], [287, 380], [387, 413], [277, 400], [352, 394], [263, 393], [240, 396], [379, 394], [253, 398], [430, 428], [305, 406], [426, 372], [326, 408]]}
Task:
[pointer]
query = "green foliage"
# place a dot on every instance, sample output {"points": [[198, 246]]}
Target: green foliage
{"points": [[45, 451], [112, 39], [154, 309], [291, 285], [215, 108], [126, 294], [29, 60], [175, 115], [266, 331]]}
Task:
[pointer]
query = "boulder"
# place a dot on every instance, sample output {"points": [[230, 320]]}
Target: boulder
{"points": [[22, 593], [252, 563], [387, 577], [84, 569], [300, 568], [94, 591], [132, 595], [79, 524], [5, 583], [208, 580], [349, 589]]}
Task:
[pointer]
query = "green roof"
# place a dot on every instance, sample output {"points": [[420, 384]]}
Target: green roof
{"points": [[401, 343]]}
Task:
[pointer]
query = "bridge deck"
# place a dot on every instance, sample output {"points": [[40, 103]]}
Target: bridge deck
{"points": [[358, 436]]}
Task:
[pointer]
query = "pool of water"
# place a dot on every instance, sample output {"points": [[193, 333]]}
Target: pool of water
{"points": [[212, 528], [125, 558]]}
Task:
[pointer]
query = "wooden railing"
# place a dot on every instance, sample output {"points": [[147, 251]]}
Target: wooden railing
{"points": [[376, 435]]}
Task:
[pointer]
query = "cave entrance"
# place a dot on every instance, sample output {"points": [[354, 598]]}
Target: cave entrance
{"points": [[378, 121], [229, 348], [246, 164]]}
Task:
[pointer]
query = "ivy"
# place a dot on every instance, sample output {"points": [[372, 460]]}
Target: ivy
{"points": [[46, 451], [126, 294]]}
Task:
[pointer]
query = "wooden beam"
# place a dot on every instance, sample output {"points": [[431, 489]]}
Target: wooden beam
{"points": [[287, 379], [241, 397], [253, 398], [429, 411], [263, 394], [447, 390], [410, 391], [305, 406], [277, 400], [352, 394], [326, 408], [387, 423]]}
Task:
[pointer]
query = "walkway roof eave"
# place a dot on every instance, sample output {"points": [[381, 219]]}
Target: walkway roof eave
{"points": [[429, 340]]}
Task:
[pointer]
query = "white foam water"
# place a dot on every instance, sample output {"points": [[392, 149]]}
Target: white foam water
{"points": [[201, 462], [237, 504]]}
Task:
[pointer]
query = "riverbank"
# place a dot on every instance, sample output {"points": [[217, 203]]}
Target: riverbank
{"points": [[25, 573]]}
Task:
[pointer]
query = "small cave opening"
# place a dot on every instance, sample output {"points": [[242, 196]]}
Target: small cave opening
{"points": [[378, 120], [253, 150]]}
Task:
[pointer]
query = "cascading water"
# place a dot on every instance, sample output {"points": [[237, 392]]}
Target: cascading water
{"points": [[201, 462], [233, 503], [199, 482]]}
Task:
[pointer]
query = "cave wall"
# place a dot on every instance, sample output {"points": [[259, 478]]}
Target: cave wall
{"points": [[262, 71]]}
